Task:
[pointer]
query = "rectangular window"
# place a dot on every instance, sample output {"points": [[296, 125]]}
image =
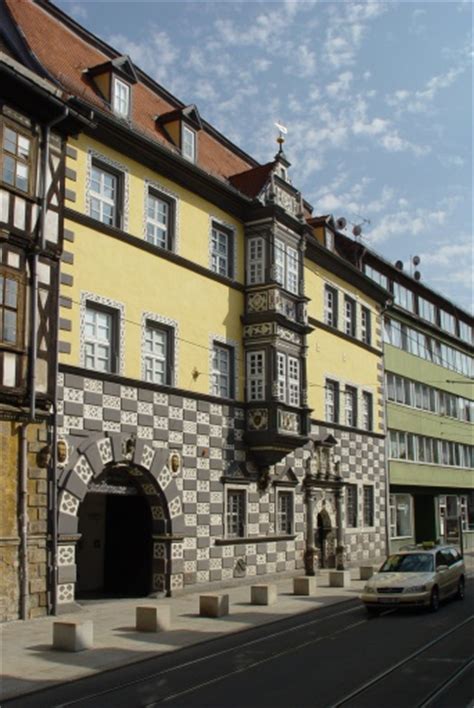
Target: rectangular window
{"points": [[256, 376], [368, 505], [403, 297], [12, 298], [189, 144], [17, 159], [330, 306], [365, 325], [158, 354], [465, 332], [332, 401], [221, 251], [376, 276], [293, 381], [222, 368], [400, 516], [447, 322], [159, 220], [351, 506], [236, 513], [426, 310], [100, 339], [104, 194], [121, 98], [367, 410], [281, 373], [255, 261], [286, 260], [284, 512], [349, 316], [350, 406], [329, 239]]}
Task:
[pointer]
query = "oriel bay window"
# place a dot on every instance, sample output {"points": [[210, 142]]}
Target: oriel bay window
{"points": [[158, 353], [236, 513], [16, 158], [160, 220], [105, 194], [286, 266], [255, 261], [256, 376], [101, 341], [288, 375]]}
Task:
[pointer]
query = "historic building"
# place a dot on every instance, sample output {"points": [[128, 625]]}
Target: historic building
{"points": [[34, 123], [220, 387], [428, 357]]}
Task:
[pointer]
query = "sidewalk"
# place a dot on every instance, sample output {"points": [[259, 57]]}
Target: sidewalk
{"points": [[29, 663]]}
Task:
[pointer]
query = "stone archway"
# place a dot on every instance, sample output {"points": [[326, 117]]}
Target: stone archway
{"points": [[150, 470]]}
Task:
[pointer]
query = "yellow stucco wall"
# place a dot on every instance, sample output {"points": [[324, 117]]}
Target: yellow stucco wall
{"points": [[143, 282], [336, 357]]}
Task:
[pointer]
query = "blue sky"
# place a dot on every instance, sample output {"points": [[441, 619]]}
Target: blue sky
{"points": [[376, 96]]}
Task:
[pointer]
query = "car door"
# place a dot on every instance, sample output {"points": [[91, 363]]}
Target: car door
{"points": [[442, 573]]}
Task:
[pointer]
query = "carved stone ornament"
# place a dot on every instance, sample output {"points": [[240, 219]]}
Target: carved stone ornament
{"points": [[289, 422], [257, 419], [128, 447], [62, 451], [175, 462], [257, 302]]}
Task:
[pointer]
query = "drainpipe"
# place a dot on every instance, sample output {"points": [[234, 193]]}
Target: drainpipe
{"points": [[387, 439], [23, 522]]}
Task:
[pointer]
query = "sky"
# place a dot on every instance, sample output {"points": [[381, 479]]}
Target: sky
{"points": [[376, 98]]}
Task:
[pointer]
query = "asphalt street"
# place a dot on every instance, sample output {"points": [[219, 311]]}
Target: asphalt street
{"points": [[327, 658]]}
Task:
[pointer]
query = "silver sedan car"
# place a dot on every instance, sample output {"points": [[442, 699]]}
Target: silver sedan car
{"points": [[416, 577]]}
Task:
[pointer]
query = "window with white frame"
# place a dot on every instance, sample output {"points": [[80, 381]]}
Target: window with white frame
{"points": [[332, 401], [350, 406], [255, 260], [221, 251], [349, 316], [16, 158], [100, 339], [376, 276], [222, 371], [367, 410], [104, 194], [288, 375], [188, 143], [465, 332], [158, 352], [329, 239], [236, 513], [284, 512], [365, 325], [159, 219], [121, 98], [351, 506], [256, 376], [403, 297], [330, 306], [286, 266], [400, 516], [447, 321], [368, 505], [426, 310]]}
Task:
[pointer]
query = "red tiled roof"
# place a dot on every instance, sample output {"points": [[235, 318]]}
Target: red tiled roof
{"points": [[65, 56], [251, 182]]}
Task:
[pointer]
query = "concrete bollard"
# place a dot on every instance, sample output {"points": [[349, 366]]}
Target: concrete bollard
{"points": [[366, 572], [73, 636], [339, 578], [263, 594], [213, 605], [305, 585], [150, 618]]}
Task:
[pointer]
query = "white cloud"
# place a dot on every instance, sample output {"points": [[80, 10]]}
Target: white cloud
{"points": [[421, 101], [338, 89], [347, 26], [78, 11], [155, 55]]}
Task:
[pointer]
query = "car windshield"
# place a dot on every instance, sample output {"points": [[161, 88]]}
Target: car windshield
{"points": [[408, 563]]}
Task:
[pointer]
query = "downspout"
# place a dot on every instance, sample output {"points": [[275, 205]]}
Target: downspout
{"points": [[38, 248], [387, 439]]}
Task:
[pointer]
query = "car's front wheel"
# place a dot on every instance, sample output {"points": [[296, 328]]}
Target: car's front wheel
{"points": [[460, 590], [434, 600]]}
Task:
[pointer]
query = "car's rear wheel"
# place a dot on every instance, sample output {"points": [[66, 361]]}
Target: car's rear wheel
{"points": [[434, 600], [460, 590]]}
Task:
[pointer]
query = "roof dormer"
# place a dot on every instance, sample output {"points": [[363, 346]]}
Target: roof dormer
{"points": [[114, 80], [182, 126]]}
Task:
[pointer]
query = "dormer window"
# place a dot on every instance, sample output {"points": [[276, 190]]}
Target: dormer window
{"points": [[121, 98], [282, 172], [329, 239], [188, 146]]}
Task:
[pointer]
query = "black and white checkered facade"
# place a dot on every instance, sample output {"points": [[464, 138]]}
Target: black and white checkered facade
{"points": [[97, 417]]}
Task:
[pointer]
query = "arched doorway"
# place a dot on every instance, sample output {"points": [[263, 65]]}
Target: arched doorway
{"points": [[114, 553]]}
